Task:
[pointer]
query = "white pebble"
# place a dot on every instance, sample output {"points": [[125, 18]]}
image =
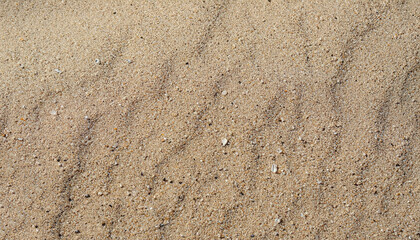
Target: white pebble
{"points": [[274, 168], [97, 61], [224, 93], [58, 71], [224, 141], [53, 112]]}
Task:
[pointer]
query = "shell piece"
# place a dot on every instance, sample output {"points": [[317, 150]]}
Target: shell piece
{"points": [[274, 168]]}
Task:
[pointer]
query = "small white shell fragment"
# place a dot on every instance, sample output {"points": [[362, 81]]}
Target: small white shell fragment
{"points": [[58, 70], [97, 61], [279, 150], [53, 112], [274, 168], [224, 141], [224, 93]]}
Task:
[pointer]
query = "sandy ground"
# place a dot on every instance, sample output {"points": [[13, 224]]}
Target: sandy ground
{"points": [[209, 119]]}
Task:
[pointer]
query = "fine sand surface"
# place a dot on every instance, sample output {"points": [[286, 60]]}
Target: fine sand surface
{"points": [[209, 119]]}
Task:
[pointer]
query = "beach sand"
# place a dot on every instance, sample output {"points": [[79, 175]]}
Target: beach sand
{"points": [[209, 119]]}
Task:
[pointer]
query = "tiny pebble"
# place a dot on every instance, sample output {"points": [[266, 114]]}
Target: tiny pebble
{"points": [[100, 193], [279, 150], [274, 168], [58, 71], [224, 93], [224, 141], [53, 112], [97, 61]]}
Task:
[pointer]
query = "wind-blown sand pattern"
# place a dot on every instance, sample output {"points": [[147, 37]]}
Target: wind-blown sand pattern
{"points": [[209, 119]]}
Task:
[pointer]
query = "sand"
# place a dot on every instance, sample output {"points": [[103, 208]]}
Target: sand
{"points": [[209, 119]]}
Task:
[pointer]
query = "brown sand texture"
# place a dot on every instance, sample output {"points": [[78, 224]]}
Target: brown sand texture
{"points": [[209, 119]]}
